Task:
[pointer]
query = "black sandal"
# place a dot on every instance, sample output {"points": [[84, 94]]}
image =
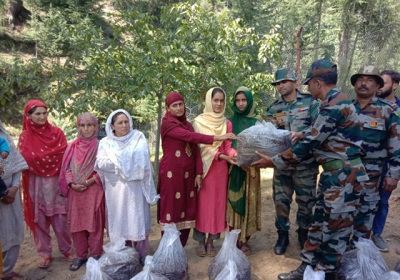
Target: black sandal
{"points": [[77, 264]]}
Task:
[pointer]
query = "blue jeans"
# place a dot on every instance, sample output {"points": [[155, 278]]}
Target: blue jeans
{"points": [[383, 210]]}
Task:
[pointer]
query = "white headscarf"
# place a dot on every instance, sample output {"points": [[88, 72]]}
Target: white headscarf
{"points": [[130, 156], [15, 162]]}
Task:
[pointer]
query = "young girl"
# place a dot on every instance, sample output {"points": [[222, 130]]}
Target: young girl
{"points": [[211, 203]]}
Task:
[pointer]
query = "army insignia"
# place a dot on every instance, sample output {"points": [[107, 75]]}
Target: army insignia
{"points": [[397, 113], [279, 114], [280, 121], [373, 123]]}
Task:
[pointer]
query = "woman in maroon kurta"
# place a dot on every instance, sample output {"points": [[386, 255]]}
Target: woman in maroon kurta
{"points": [[181, 166]]}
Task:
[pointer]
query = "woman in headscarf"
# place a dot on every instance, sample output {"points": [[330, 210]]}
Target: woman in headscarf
{"points": [[43, 146], [11, 219], [211, 203], [123, 163], [181, 167], [84, 189], [244, 188]]}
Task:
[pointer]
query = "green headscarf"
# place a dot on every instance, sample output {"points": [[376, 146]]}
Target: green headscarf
{"points": [[237, 176]]}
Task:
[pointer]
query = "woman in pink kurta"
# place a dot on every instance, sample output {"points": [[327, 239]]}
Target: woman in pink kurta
{"points": [[181, 167], [211, 202], [85, 193]]}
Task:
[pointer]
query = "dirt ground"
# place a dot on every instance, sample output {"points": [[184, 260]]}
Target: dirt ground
{"points": [[265, 264]]}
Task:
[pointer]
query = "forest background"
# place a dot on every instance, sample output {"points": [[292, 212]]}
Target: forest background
{"points": [[99, 56]]}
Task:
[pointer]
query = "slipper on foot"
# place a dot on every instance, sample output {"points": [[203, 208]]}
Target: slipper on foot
{"points": [[201, 251], [211, 252], [77, 264], [45, 262], [69, 256], [12, 276]]}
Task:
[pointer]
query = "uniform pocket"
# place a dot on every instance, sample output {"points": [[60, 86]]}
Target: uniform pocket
{"points": [[340, 199]]}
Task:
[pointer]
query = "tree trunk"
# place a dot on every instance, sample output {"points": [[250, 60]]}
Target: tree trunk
{"points": [[18, 13], [319, 30], [158, 138]]}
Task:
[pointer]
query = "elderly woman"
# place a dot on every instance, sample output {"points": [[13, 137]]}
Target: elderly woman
{"points": [[43, 146], [181, 168], [84, 189], [11, 220], [211, 202], [123, 163]]}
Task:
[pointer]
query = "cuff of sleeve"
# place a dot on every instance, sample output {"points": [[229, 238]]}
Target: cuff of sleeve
{"points": [[393, 174], [278, 162]]}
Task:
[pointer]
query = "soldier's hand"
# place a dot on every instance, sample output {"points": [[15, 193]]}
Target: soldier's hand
{"points": [[389, 184], [296, 136], [263, 162]]}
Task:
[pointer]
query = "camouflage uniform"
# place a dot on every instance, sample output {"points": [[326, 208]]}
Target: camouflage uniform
{"points": [[302, 178], [381, 139], [335, 141]]}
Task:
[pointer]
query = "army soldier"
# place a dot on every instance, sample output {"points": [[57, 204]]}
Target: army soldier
{"points": [[293, 111], [334, 139], [381, 139], [388, 92]]}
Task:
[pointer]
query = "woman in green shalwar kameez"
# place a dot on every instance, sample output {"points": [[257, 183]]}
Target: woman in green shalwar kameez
{"points": [[244, 187]]}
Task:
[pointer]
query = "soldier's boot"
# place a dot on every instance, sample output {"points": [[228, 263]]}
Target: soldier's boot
{"points": [[302, 236], [282, 242], [294, 274]]}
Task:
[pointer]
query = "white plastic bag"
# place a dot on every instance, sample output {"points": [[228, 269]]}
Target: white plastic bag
{"points": [[264, 138], [229, 272], [229, 251], [391, 275], [146, 274], [94, 272], [365, 262], [170, 258], [310, 274], [120, 262]]}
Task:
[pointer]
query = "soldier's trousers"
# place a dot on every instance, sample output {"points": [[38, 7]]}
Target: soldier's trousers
{"points": [[285, 183], [333, 218], [367, 205]]}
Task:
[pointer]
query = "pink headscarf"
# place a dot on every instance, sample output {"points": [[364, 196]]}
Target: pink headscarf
{"points": [[80, 155]]}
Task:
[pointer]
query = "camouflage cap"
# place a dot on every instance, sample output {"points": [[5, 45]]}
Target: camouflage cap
{"points": [[284, 74], [319, 68], [369, 70]]}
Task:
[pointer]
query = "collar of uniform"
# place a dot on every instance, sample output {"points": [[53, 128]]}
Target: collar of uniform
{"points": [[372, 101], [329, 95]]}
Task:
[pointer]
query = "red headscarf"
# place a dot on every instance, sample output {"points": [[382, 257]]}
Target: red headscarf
{"points": [[170, 121], [43, 147]]}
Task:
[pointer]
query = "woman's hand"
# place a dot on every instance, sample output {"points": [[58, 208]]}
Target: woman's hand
{"points": [[231, 160], [228, 136], [198, 181], [10, 196], [78, 187]]}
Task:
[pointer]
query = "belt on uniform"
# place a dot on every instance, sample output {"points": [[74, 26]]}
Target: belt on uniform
{"points": [[338, 164]]}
